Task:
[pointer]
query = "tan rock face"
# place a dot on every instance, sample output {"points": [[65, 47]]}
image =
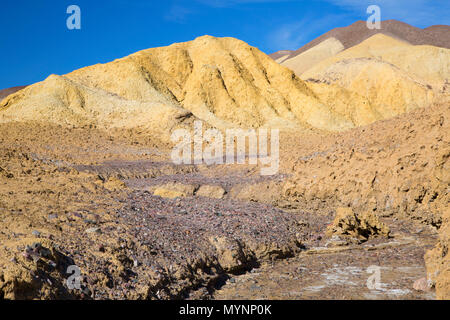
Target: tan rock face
{"points": [[395, 167], [422, 284], [438, 260], [361, 226], [167, 193], [229, 253]]}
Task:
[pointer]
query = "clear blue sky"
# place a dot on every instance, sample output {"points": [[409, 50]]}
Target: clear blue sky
{"points": [[35, 42]]}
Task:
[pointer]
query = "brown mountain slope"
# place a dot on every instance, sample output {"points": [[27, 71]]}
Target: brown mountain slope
{"points": [[440, 31], [356, 33], [6, 92], [280, 54]]}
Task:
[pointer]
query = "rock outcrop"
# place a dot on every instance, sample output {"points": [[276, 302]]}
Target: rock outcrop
{"points": [[438, 260], [357, 226]]}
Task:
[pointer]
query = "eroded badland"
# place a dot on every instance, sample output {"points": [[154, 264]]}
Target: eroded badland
{"points": [[87, 179]]}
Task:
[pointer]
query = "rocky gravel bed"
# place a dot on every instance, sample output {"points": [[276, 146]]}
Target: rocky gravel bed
{"points": [[185, 237], [157, 248]]}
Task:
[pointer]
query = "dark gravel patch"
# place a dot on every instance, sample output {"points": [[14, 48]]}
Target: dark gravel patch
{"points": [[157, 248], [226, 181], [177, 228]]}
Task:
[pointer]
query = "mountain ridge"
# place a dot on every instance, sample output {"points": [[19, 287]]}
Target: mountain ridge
{"points": [[349, 36]]}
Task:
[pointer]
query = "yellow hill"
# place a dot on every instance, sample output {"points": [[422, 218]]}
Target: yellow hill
{"points": [[427, 63], [389, 90], [349, 104], [223, 81], [63, 101], [394, 76], [309, 58]]}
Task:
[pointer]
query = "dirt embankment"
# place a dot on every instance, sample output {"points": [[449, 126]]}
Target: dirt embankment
{"points": [[395, 168]]}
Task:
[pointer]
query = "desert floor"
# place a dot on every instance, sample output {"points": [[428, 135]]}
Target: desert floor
{"points": [[86, 197]]}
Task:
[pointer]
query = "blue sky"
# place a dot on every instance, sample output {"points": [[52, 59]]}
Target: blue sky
{"points": [[35, 42]]}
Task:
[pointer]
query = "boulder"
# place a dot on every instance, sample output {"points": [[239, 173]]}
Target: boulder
{"points": [[175, 190], [359, 226], [208, 191]]}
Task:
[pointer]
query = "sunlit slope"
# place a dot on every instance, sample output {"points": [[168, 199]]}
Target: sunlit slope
{"points": [[304, 61], [394, 76], [427, 63]]}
